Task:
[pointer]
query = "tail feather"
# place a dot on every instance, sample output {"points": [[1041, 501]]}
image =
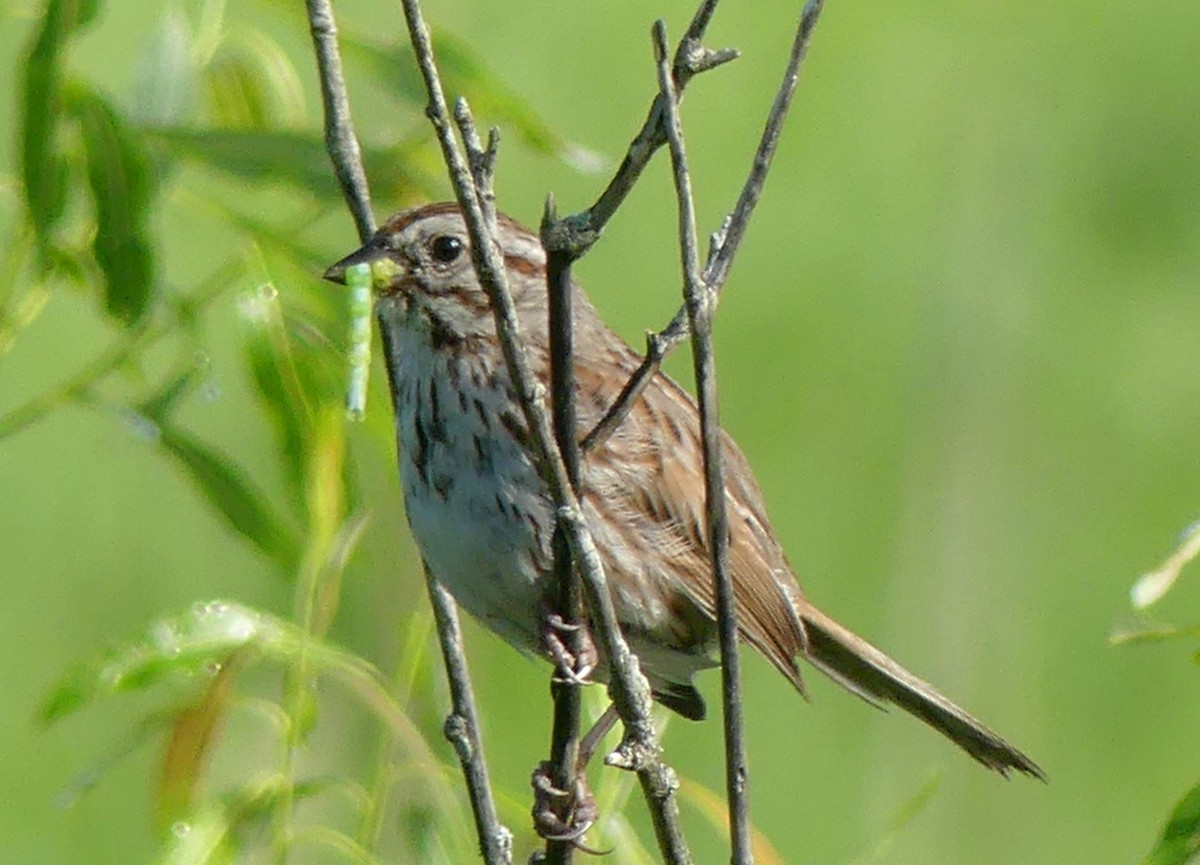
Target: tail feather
{"points": [[863, 669]]}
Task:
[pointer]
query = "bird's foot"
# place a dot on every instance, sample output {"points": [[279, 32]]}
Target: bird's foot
{"points": [[563, 815], [574, 664]]}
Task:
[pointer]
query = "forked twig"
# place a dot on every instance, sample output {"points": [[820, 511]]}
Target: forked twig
{"points": [[573, 235], [725, 242], [566, 241]]}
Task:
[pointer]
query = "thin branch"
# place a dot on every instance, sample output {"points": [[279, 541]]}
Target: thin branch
{"points": [[462, 725], [725, 242], [700, 303], [565, 241], [480, 160], [730, 237], [568, 696], [340, 140], [575, 234], [462, 729], [630, 692]]}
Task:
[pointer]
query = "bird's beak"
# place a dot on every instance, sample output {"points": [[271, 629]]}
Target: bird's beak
{"points": [[369, 254]]}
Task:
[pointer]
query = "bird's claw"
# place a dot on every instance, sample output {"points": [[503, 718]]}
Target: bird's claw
{"points": [[572, 667], [563, 815]]}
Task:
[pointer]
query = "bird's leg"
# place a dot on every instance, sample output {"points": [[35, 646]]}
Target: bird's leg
{"points": [[565, 815], [589, 743]]}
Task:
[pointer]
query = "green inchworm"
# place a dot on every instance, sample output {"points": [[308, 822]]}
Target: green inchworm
{"points": [[358, 280]]}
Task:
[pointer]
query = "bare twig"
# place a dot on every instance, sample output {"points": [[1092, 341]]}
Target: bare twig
{"points": [[462, 725], [574, 235], [564, 741], [486, 257], [462, 729], [730, 237], [630, 692], [480, 160], [700, 303], [725, 242], [340, 140]]}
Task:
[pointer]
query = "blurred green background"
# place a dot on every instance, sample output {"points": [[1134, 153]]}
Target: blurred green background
{"points": [[960, 348]]}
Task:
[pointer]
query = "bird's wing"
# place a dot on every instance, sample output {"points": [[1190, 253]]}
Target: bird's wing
{"points": [[655, 478]]}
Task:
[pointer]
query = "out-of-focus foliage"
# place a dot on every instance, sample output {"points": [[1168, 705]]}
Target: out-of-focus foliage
{"points": [[1180, 838], [1179, 841], [1150, 588], [959, 349], [218, 125]]}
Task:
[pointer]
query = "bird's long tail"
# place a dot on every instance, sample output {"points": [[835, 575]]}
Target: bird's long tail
{"points": [[860, 667]]}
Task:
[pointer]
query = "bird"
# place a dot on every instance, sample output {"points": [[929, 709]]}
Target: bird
{"points": [[483, 519]]}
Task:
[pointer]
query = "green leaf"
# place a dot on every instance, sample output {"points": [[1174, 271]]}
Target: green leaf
{"points": [[1151, 586], [217, 831], [347, 849], [251, 83], [165, 77], [205, 838], [193, 736], [908, 810], [118, 170], [279, 388], [43, 168], [235, 497], [296, 159], [1180, 839], [295, 367], [465, 73], [159, 405], [1143, 629], [200, 639], [194, 643], [915, 805]]}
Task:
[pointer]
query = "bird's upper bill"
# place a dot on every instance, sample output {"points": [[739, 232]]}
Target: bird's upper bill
{"points": [[373, 254]]}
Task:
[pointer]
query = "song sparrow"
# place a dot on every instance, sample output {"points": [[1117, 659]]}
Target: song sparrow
{"points": [[484, 521]]}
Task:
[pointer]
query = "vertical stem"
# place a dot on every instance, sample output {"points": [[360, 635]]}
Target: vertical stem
{"points": [[462, 729], [340, 140], [700, 302], [564, 745], [704, 363]]}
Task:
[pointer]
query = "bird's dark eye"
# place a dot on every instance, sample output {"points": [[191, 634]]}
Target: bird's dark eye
{"points": [[445, 248]]}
